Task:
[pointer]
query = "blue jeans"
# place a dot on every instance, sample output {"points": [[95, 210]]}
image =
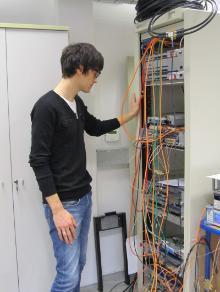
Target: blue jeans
{"points": [[71, 258]]}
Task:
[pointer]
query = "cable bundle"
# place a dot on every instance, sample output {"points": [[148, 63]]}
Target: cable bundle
{"points": [[147, 9], [157, 275], [155, 9]]}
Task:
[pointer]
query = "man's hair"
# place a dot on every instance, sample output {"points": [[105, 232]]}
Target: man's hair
{"points": [[80, 55]]}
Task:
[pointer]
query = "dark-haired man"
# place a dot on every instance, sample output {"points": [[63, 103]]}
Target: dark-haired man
{"points": [[58, 158]]}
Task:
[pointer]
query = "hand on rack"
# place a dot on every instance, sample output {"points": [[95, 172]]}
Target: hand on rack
{"points": [[135, 104]]}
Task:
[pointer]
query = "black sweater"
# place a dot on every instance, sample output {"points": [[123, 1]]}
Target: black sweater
{"points": [[58, 155]]}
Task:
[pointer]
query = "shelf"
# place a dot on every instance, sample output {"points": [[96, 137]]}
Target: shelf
{"points": [[173, 269], [112, 158], [177, 148], [175, 219], [210, 228], [166, 82]]}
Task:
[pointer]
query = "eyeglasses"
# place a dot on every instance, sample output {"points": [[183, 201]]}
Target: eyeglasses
{"points": [[96, 74]]}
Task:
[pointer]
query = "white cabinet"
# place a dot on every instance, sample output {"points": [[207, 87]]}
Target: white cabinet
{"points": [[29, 67], [8, 267]]}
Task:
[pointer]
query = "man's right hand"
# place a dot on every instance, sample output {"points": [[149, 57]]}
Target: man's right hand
{"points": [[63, 220], [65, 225]]}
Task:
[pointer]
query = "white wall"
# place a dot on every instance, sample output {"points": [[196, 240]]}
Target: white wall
{"points": [[78, 16], [110, 28], [114, 37], [28, 11]]}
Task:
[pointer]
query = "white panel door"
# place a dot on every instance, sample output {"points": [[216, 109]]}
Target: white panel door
{"points": [[8, 266], [33, 69]]}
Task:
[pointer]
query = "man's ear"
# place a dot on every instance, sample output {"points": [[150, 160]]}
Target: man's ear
{"points": [[79, 71]]}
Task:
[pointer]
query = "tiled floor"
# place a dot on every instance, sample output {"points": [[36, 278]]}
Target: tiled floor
{"points": [[109, 282]]}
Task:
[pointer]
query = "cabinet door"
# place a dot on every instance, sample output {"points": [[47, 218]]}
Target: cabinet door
{"points": [[33, 69], [8, 267]]}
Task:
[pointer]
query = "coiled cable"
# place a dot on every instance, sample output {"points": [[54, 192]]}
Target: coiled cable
{"points": [[156, 9]]}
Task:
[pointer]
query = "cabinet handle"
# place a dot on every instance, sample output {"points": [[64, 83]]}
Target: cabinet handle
{"points": [[16, 183], [19, 182], [2, 184]]}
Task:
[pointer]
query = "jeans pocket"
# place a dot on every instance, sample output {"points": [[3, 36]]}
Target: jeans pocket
{"points": [[47, 213], [72, 203]]}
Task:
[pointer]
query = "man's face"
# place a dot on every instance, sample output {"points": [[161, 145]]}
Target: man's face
{"points": [[88, 80]]}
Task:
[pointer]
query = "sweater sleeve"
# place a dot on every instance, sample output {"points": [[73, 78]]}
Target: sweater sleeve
{"points": [[43, 125], [96, 127]]}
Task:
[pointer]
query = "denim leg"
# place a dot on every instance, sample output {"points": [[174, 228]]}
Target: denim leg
{"points": [[85, 232], [68, 257], [83, 237]]}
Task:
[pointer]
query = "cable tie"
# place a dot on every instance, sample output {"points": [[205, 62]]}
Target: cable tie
{"points": [[206, 284], [170, 34]]}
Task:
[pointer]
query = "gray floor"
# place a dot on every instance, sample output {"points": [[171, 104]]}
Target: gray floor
{"points": [[109, 282]]}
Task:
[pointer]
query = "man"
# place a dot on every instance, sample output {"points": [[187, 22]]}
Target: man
{"points": [[58, 158]]}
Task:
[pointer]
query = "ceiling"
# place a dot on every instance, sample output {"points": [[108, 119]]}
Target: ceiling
{"points": [[118, 1]]}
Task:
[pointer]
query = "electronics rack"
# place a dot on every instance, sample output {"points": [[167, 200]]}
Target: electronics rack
{"points": [[163, 70], [197, 93]]}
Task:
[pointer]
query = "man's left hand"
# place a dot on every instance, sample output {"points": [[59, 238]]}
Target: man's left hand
{"points": [[135, 104]]}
